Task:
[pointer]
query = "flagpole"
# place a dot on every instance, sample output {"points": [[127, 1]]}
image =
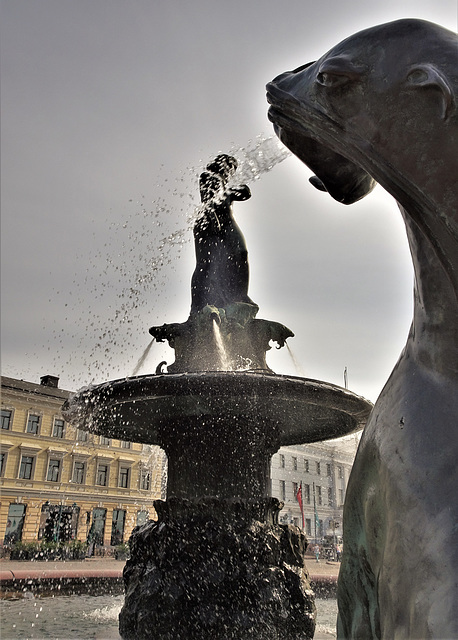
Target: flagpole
{"points": [[298, 496]]}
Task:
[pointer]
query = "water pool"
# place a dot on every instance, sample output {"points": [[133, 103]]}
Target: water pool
{"points": [[96, 617]]}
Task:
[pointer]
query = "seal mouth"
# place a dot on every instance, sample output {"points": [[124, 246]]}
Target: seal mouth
{"points": [[317, 140]]}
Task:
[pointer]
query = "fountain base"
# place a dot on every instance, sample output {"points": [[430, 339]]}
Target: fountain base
{"points": [[214, 569]]}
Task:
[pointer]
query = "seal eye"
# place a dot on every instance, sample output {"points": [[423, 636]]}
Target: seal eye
{"points": [[327, 79], [338, 71]]}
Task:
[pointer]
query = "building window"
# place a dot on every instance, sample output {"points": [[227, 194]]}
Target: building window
{"points": [[145, 480], [78, 472], [339, 472], [282, 461], [105, 441], [319, 497], [102, 475], [33, 423], [282, 490], [81, 436], [341, 497], [117, 527], [330, 500], [306, 493], [294, 463], [318, 468], [125, 444], [306, 466], [328, 470], [58, 522], [97, 530], [58, 428], [320, 529], [308, 526], [53, 470], [14, 523], [295, 488], [6, 418], [2, 463], [124, 473], [26, 468]]}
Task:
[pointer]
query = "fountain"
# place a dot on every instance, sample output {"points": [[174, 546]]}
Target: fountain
{"points": [[217, 564]]}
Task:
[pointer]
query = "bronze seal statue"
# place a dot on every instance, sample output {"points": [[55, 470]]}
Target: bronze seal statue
{"points": [[221, 275], [381, 107]]}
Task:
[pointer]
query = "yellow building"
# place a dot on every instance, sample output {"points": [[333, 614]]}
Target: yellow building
{"points": [[59, 483]]}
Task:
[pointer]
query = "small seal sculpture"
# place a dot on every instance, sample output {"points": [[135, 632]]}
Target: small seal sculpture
{"points": [[219, 288], [221, 275], [381, 107]]}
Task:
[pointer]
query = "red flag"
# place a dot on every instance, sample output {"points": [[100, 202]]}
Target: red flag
{"points": [[299, 499]]}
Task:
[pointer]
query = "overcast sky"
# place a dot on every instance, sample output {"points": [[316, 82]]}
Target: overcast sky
{"points": [[110, 108]]}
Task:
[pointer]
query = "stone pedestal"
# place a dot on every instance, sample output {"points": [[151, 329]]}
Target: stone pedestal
{"points": [[215, 569], [225, 457], [217, 564]]}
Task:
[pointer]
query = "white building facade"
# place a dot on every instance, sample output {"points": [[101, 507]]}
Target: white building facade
{"points": [[321, 471]]}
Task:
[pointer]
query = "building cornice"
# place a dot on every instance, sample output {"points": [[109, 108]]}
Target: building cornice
{"points": [[38, 390], [74, 496]]}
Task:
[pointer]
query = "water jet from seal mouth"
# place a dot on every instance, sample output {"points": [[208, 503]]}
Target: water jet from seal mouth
{"points": [[142, 359]]}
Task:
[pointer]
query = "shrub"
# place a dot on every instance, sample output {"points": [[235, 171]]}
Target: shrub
{"points": [[35, 550], [122, 552]]}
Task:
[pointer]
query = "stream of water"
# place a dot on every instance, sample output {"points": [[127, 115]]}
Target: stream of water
{"points": [[297, 366], [224, 359], [142, 358]]}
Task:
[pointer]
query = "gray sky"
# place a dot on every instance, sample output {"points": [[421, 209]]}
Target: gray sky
{"points": [[109, 110]]}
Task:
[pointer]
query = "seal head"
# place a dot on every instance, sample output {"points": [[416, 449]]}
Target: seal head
{"points": [[338, 113]]}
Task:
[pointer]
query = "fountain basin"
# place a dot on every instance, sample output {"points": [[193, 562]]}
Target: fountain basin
{"points": [[298, 410], [219, 429]]}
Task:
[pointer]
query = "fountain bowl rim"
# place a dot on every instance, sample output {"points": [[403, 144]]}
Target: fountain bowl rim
{"points": [[137, 408]]}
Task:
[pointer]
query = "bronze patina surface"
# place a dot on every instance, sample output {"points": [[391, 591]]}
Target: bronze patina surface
{"points": [[381, 107]]}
